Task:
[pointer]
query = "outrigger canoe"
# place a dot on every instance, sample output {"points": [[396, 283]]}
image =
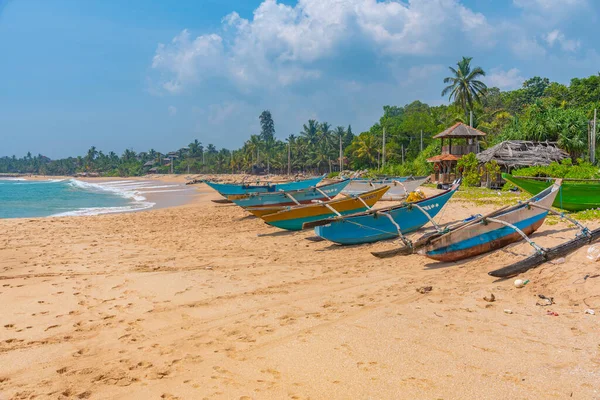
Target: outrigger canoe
{"points": [[399, 187], [287, 198], [574, 195], [226, 189], [386, 223], [494, 231], [292, 218]]}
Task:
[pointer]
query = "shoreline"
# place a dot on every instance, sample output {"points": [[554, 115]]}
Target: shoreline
{"points": [[161, 192]]}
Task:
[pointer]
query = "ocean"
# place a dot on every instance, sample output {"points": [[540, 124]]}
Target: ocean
{"points": [[20, 198]]}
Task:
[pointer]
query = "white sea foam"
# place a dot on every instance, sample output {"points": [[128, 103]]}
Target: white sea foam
{"points": [[12, 179], [132, 190], [164, 191], [139, 202], [105, 210]]}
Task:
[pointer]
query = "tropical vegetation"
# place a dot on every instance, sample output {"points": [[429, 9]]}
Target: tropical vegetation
{"points": [[540, 110]]}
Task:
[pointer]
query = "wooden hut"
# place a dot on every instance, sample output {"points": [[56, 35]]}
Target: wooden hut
{"points": [[466, 140], [513, 154]]}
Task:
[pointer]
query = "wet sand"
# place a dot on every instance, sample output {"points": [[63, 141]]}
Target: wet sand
{"points": [[190, 302]]}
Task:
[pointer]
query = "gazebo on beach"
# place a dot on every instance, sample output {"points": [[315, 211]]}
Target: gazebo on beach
{"points": [[466, 140]]}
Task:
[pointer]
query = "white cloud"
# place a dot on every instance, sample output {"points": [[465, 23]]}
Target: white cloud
{"points": [[557, 37], [549, 6], [417, 74], [188, 61], [281, 44], [218, 113], [172, 111], [528, 48], [506, 80]]}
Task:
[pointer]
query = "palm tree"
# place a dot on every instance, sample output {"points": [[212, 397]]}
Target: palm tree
{"points": [[310, 132], [464, 87], [367, 149]]}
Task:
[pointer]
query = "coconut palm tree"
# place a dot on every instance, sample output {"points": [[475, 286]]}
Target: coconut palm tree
{"points": [[464, 86]]}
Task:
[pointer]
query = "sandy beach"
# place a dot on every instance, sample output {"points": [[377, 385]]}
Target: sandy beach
{"points": [[204, 301]]}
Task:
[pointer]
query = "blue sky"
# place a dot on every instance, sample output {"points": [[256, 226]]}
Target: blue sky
{"points": [[157, 74]]}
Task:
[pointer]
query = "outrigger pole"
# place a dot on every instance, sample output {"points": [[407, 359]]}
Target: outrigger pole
{"points": [[585, 236]]}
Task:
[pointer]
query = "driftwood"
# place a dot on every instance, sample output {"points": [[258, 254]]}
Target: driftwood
{"points": [[549, 254], [222, 201]]}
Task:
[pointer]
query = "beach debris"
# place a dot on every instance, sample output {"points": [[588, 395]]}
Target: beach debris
{"points": [[507, 311], [548, 301], [590, 311], [490, 299], [425, 289], [519, 283], [561, 260], [552, 313], [593, 252]]}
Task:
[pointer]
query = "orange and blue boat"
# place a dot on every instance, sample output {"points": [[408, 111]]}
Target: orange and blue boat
{"points": [[292, 218], [496, 230]]}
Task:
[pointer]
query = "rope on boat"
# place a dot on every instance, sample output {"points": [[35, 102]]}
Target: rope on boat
{"points": [[537, 248]]}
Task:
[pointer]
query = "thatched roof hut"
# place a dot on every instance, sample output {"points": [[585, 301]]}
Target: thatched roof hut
{"points": [[520, 153], [460, 130]]}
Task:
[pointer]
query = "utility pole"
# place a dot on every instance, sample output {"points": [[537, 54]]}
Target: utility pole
{"points": [[289, 158], [383, 151], [471, 119], [341, 156], [421, 139], [402, 153], [593, 140]]}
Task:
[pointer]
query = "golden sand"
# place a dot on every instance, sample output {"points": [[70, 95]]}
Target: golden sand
{"points": [[189, 302]]}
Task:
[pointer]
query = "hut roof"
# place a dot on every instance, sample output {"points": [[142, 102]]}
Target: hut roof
{"points": [[444, 157], [149, 163], [522, 153], [459, 130]]}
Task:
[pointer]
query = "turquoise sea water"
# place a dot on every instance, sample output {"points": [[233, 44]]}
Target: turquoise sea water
{"points": [[22, 198]]}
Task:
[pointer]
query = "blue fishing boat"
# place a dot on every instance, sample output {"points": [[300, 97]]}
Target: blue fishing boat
{"points": [[374, 225], [226, 189], [495, 230], [289, 198]]}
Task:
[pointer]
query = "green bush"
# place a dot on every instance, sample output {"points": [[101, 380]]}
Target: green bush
{"points": [[470, 169], [566, 169]]}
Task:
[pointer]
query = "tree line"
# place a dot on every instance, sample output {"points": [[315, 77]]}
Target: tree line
{"points": [[540, 110]]}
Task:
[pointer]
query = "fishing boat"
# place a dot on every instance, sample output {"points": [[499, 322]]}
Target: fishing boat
{"points": [[226, 189], [289, 198], [494, 231], [399, 187], [386, 223], [575, 194], [292, 218]]}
